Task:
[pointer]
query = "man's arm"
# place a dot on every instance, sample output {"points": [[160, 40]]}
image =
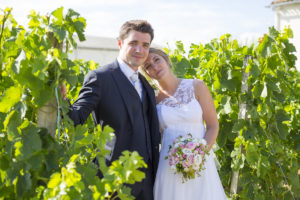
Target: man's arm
{"points": [[89, 97]]}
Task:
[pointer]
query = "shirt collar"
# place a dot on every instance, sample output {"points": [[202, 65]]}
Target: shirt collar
{"points": [[125, 68]]}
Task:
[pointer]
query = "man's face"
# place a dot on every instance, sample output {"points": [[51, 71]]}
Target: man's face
{"points": [[134, 49]]}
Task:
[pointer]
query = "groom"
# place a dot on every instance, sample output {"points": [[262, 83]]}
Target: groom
{"points": [[118, 96]]}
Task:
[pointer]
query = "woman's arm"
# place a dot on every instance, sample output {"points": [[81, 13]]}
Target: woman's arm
{"points": [[205, 99]]}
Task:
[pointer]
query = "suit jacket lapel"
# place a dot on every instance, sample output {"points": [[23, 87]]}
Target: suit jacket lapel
{"points": [[125, 88], [149, 90]]}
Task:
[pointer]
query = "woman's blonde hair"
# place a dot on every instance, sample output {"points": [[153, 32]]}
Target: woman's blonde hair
{"points": [[165, 56], [162, 54]]}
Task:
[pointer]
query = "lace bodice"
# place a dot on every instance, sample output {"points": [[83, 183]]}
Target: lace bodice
{"points": [[181, 112], [183, 94]]}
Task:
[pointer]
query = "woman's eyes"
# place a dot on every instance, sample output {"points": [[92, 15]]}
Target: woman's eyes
{"points": [[147, 67]]}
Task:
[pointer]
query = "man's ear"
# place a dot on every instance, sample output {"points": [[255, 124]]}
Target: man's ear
{"points": [[119, 43]]}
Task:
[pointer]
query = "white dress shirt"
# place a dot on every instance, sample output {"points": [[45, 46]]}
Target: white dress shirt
{"points": [[128, 72]]}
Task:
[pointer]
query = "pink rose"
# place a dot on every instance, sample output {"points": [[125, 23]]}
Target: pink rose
{"points": [[190, 159], [175, 160], [191, 145], [185, 164]]}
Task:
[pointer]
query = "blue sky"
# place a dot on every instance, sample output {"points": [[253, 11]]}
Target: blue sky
{"points": [[190, 21]]}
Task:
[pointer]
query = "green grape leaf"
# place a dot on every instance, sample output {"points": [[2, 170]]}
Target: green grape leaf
{"points": [[23, 184], [54, 181], [58, 31], [58, 14], [252, 154], [10, 98], [12, 121]]}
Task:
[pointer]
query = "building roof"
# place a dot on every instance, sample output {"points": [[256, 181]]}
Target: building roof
{"points": [[280, 1], [94, 42]]}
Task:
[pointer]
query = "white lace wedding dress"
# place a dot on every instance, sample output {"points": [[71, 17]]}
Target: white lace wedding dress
{"points": [[179, 115]]}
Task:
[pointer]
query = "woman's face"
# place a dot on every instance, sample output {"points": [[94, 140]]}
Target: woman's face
{"points": [[156, 66]]}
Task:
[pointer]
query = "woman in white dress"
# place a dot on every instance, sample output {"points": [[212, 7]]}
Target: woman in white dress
{"points": [[183, 105]]}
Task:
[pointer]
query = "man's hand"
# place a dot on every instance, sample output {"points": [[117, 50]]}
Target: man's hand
{"points": [[63, 91]]}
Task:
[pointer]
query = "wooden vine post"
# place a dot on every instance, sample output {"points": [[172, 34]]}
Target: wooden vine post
{"points": [[47, 115], [242, 115]]}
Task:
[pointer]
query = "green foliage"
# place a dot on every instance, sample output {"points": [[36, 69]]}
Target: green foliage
{"points": [[268, 136], [33, 165]]}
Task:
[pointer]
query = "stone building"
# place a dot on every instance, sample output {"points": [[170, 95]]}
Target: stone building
{"points": [[102, 50], [287, 13]]}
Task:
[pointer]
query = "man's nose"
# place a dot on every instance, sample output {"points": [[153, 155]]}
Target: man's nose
{"points": [[138, 48]]}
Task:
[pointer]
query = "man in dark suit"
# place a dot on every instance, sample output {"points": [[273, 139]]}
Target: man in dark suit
{"points": [[118, 96]]}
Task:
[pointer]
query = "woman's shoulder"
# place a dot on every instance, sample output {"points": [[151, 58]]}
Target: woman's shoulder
{"points": [[200, 87]]}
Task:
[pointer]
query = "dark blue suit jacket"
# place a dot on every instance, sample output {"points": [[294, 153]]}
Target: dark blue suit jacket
{"points": [[111, 98]]}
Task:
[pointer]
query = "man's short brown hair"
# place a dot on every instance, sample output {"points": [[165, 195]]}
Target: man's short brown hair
{"points": [[137, 25]]}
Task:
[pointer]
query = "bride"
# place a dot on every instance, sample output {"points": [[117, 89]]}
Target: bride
{"points": [[183, 105]]}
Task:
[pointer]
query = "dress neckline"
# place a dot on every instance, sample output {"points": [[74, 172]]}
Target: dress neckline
{"points": [[172, 96]]}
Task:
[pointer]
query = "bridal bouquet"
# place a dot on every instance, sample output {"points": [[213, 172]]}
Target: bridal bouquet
{"points": [[187, 156]]}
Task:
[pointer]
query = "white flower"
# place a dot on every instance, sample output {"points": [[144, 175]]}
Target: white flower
{"points": [[173, 168], [186, 151], [203, 141], [198, 159], [195, 166]]}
